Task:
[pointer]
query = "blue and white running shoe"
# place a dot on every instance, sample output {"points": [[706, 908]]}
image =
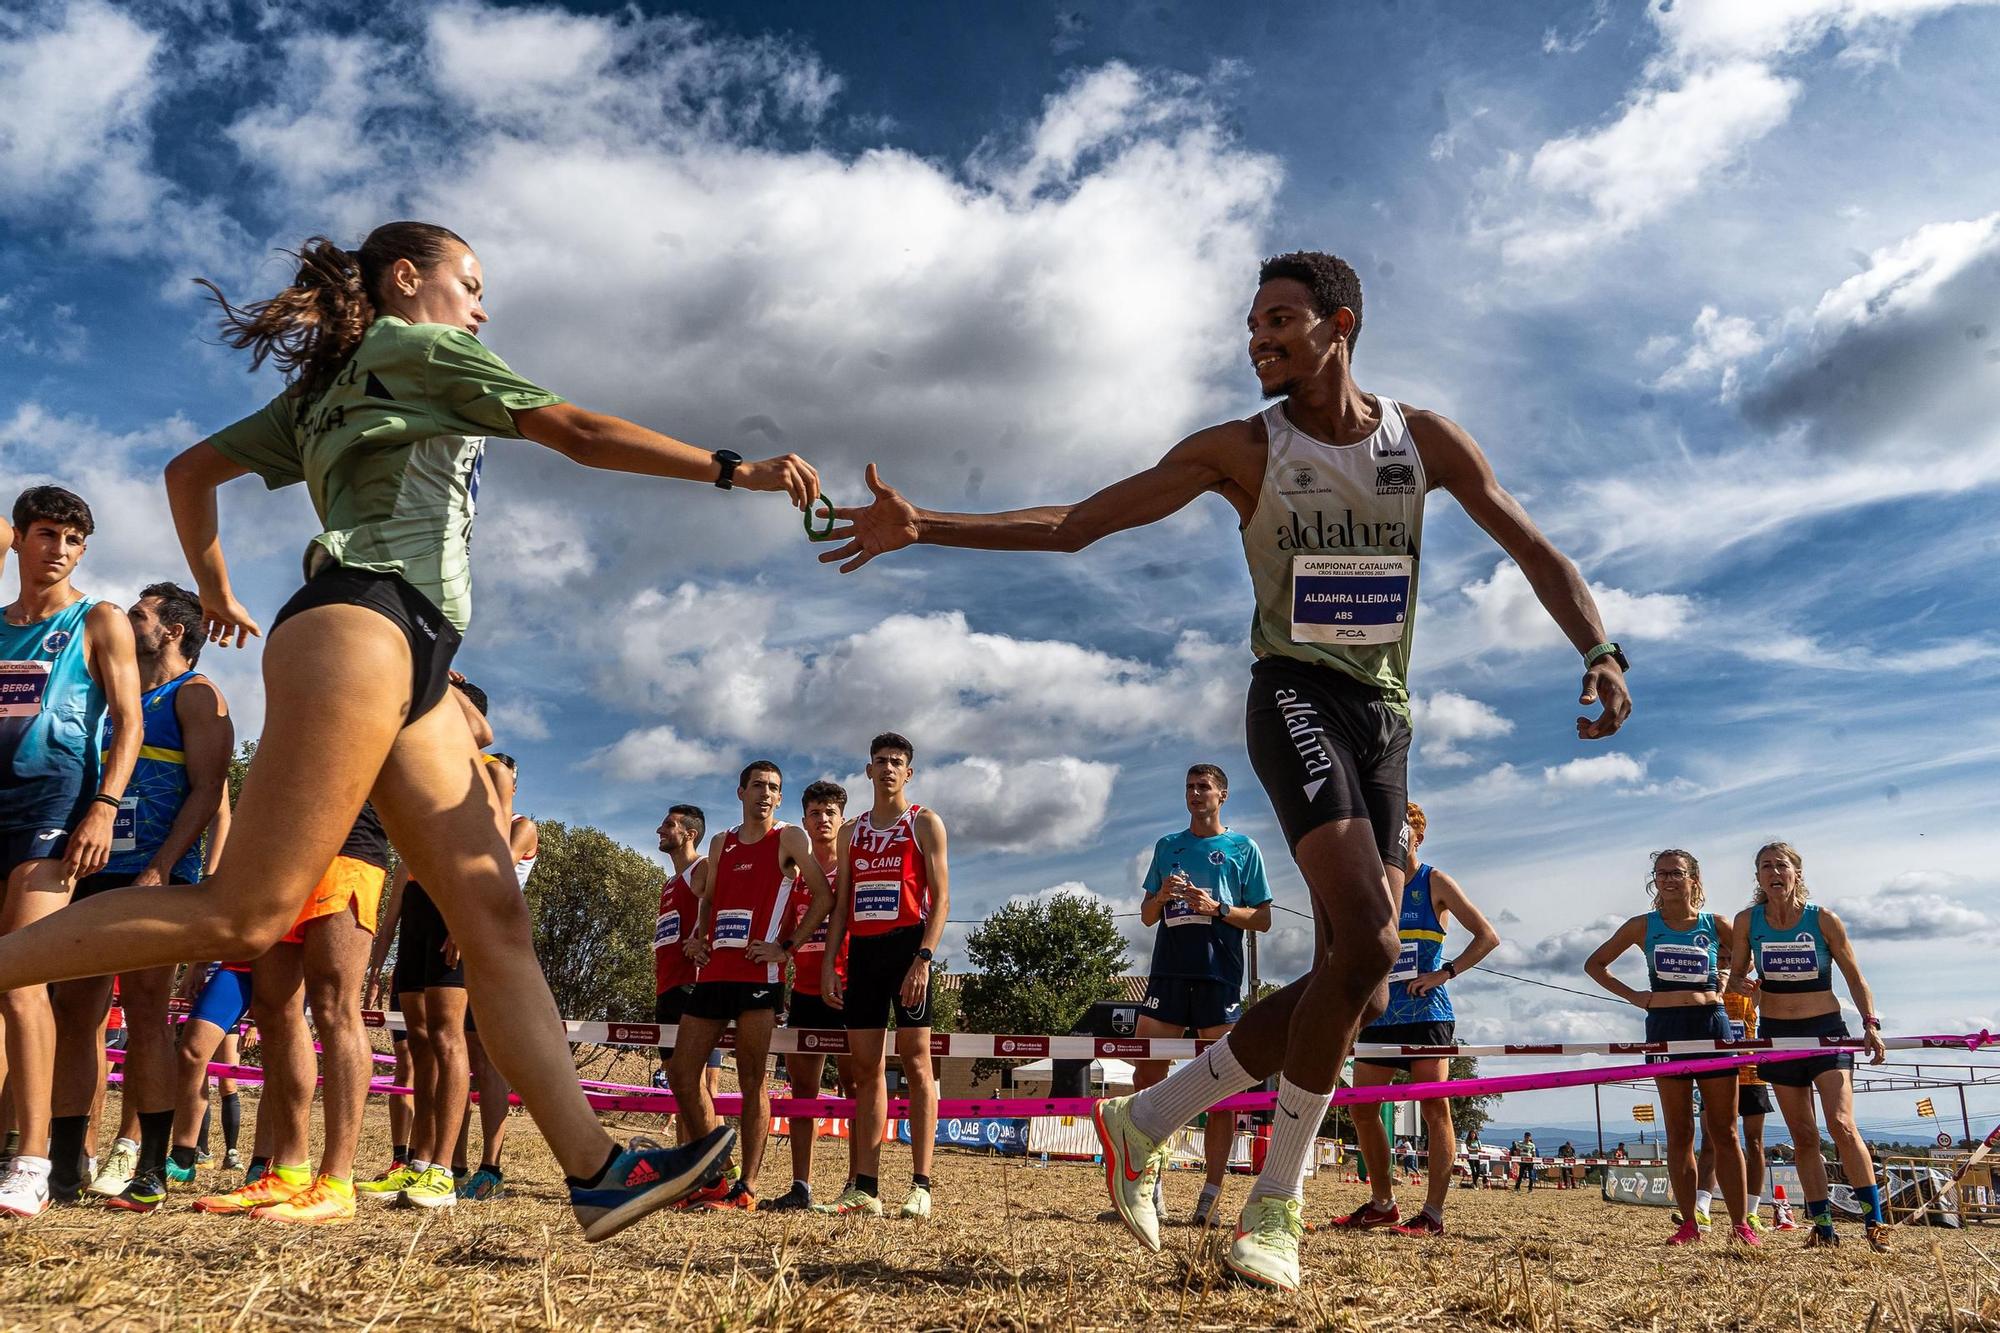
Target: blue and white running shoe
{"points": [[646, 1176]]}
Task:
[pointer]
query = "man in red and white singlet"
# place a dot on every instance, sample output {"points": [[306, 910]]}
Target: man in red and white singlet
{"points": [[674, 936], [890, 908], [745, 888], [824, 807]]}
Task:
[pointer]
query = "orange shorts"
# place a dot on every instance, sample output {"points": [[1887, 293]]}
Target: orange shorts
{"points": [[347, 882]]}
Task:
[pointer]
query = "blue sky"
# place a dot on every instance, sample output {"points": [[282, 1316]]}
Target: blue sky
{"points": [[1714, 285]]}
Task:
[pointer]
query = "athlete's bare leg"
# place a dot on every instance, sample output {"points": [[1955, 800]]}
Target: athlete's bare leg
{"points": [[400, 1106], [277, 991], [79, 1008], [335, 960], [1369, 1136], [1836, 1100], [200, 1041], [493, 1093], [687, 1075], [451, 1085], [35, 891], [1753, 1155], [1718, 1122], [871, 1101], [1443, 1141], [807, 1073], [1677, 1113], [913, 1045], [1219, 1138], [423, 1076], [1307, 1029], [753, 1068]]}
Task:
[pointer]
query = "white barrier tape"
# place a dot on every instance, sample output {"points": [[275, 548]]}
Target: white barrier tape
{"points": [[1013, 1046]]}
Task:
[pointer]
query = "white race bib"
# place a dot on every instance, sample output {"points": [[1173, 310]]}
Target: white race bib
{"points": [[22, 685], [878, 899], [125, 826], [1788, 960], [1350, 598], [1178, 913], [1406, 963], [1680, 962], [667, 930], [732, 928], [817, 944]]}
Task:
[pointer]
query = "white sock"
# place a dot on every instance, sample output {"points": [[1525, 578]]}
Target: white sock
{"points": [[1189, 1090], [33, 1166], [420, 1167], [1752, 1204], [1292, 1134], [1702, 1199], [124, 1142]]}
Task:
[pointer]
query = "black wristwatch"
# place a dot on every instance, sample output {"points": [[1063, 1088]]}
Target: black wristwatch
{"points": [[728, 460], [923, 955], [1604, 650], [1450, 970]]}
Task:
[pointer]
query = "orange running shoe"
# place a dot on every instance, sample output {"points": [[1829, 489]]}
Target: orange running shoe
{"points": [[324, 1203], [270, 1188], [739, 1197], [711, 1193]]}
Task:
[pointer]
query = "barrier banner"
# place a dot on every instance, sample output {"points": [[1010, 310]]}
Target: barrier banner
{"points": [[1009, 1138], [1647, 1185]]}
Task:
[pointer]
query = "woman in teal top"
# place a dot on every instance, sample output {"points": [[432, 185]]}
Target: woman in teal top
{"points": [[1683, 1002], [1795, 946], [391, 399]]}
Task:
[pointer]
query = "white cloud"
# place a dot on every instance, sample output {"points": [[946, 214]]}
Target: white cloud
{"points": [[1556, 44], [656, 752], [1442, 719], [1013, 806], [320, 134], [1717, 344], [517, 719], [1713, 90], [1593, 771], [1500, 615], [1916, 905]]}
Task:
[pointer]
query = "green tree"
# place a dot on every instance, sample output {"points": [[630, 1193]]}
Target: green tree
{"points": [[1469, 1114], [1037, 966], [594, 903]]}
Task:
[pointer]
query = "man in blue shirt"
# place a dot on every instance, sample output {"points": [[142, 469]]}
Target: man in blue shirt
{"points": [[1204, 889]]}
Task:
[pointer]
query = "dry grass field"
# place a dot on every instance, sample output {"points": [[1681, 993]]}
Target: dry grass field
{"points": [[1014, 1245]]}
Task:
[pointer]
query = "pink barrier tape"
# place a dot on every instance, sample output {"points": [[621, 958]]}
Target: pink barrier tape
{"points": [[1015, 1046]]}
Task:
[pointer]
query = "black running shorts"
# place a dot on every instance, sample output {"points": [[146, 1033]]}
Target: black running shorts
{"points": [[1405, 1034], [726, 1001], [104, 883], [1192, 1003], [420, 964], [876, 966], [813, 1012], [1689, 1023], [1801, 1073], [1753, 1099], [1327, 747], [432, 639]]}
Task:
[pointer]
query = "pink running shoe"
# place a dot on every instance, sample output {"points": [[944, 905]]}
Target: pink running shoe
{"points": [[1746, 1234], [1689, 1234]]}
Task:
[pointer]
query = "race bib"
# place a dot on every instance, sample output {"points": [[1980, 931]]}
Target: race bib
{"points": [[1350, 598], [732, 928], [878, 900], [1680, 962], [667, 930], [817, 944], [1178, 913], [125, 826], [22, 685], [1738, 1030], [1788, 960], [1406, 963]]}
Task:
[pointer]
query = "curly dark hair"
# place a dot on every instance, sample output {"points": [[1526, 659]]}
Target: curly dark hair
{"points": [[56, 505], [1331, 280], [824, 792]]}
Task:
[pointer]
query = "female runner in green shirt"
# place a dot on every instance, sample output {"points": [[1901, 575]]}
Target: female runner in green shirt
{"points": [[390, 399]]}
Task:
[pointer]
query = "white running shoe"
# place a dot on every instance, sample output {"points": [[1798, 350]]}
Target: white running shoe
{"points": [[120, 1165], [1266, 1249], [918, 1205], [1132, 1163], [24, 1190]]}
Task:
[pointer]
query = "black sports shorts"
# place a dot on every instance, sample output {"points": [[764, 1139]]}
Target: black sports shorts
{"points": [[1753, 1099], [1196, 1003], [725, 1001], [1405, 1034], [420, 962], [1801, 1073], [1688, 1023], [104, 883], [432, 639], [813, 1012], [876, 966], [1327, 747]]}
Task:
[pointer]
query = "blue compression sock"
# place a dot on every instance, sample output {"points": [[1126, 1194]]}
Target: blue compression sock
{"points": [[1870, 1196]]}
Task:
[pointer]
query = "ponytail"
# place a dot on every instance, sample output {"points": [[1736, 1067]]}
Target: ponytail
{"points": [[311, 328]]}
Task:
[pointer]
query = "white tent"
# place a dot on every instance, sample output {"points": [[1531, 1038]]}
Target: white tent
{"points": [[1103, 1073]]}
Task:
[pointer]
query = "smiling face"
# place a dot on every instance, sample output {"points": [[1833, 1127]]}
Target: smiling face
{"points": [[1676, 884], [449, 292], [1291, 342], [761, 795]]}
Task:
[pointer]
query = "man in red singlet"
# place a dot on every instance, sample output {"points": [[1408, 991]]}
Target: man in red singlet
{"points": [[675, 940], [894, 895], [745, 888], [825, 806]]}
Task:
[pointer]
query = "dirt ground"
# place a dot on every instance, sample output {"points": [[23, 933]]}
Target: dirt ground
{"points": [[1013, 1245]]}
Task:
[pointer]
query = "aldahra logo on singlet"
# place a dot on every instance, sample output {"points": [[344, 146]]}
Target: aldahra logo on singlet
{"points": [[1343, 533]]}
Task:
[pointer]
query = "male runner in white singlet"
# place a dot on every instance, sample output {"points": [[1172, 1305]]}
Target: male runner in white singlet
{"points": [[1328, 487]]}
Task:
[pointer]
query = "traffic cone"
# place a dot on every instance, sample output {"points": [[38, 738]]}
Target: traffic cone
{"points": [[1782, 1211]]}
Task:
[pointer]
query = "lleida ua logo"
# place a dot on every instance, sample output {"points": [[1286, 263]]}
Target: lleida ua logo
{"points": [[1395, 479], [55, 641], [1216, 858]]}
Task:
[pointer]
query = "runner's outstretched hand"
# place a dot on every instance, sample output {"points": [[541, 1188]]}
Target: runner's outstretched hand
{"points": [[790, 474], [888, 524], [1604, 681], [222, 615]]}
